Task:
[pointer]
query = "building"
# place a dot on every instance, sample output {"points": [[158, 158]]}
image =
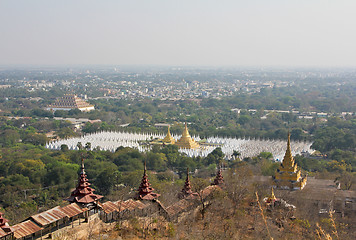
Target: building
{"points": [[69, 102], [219, 179], [145, 192], [186, 141], [288, 176], [187, 189], [83, 194]]}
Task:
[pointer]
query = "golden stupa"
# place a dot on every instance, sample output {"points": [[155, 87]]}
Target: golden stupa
{"points": [[186, 141], [288, 176], [168, 138]]}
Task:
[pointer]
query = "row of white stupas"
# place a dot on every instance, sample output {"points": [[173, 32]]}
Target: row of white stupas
{"points": [[247, 147]]}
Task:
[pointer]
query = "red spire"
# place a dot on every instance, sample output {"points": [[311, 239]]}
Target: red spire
{"points": [[219, 179], [187, 189], [83, 193], [145, 191]]}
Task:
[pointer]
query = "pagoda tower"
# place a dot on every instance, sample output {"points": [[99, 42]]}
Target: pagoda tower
{"points": [[288, 176], [187, 189], [145, 192], [272, 198], [83, 193], [219, 179], [186, 141], [168, 138]]}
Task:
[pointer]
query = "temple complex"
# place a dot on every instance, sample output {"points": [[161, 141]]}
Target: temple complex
{"points": [[186, 141], [288, 176], [69, 102], [83, 193], [219, 179], [168, 138], [145, 192]]}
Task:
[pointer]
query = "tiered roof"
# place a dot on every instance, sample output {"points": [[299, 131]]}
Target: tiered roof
{"points": [[219, 179], [83, 193], [187, 189], [145, 192], [70, 101]]}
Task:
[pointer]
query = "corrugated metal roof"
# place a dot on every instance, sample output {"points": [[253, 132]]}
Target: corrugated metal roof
{"points": [[49, 216], [3, 233], [179, 206], [109, 207], [129, 205], [73, 209], [26, 228]]}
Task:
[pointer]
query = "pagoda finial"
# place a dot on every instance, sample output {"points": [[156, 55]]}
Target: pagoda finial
{"points": [[272, 194], [288, 160], [82, 167], [144, 169]]}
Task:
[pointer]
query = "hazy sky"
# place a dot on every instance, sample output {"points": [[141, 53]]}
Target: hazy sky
{"points": [[182, 32]]}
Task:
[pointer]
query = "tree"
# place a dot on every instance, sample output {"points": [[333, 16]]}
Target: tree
{"points": [[107, 180], [79, 145], [88, 146]]}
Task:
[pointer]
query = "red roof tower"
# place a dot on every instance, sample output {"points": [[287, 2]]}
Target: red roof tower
{"points": [[83, 194], [145, 192], [187, 189], [219, 179]]}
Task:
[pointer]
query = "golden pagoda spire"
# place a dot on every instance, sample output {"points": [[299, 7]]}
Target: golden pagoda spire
{"points": [[185, 132], [272, 194], [169, 138], [272, 198], [288, 161]]}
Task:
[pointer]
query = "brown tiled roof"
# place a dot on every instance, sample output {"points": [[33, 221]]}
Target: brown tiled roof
{"points": [[49, 216], [25, 229]]}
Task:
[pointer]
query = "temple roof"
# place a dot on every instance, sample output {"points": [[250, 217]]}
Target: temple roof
{"points": [[187, 189], [219, 179], [145, 192], [70, 101], [83, 193]]}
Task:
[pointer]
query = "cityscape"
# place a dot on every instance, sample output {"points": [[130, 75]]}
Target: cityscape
{"points": [[177, 120]]}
